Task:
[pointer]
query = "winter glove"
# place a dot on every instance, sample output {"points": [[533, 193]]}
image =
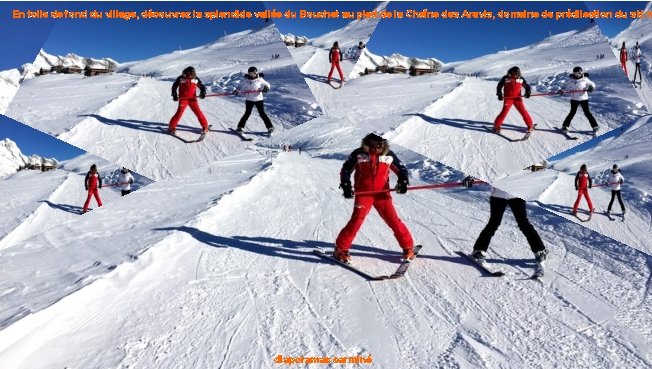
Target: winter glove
{"points": [[590, 89], [620, 181], [500, 96], [561, 92], [175, 97], [202, 95], [591, 185], [576, 189], [468, 181], [265, 89], [527, 94], [347, 189], [236, 93], [86, 187], [402, 186]]}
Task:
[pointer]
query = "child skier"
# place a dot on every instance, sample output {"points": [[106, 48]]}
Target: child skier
{"points": [[335, 57], [614, 181], [187, 84], [498, 202], [372, 163], [583, 183], [509, 91], [125, 179], [579, 81], [92, 183], [637, 63], [255, 86]]}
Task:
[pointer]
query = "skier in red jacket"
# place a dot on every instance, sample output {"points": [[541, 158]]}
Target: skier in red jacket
{"points": [[335, 57], [372, 163], [623, 58], [583, 182], [187, 84], [92, 183], [509, 91]]}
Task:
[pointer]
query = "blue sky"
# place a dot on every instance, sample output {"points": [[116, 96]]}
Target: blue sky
{"points": [[31, 141], [462, 39], [312, 28], [119, 39]]}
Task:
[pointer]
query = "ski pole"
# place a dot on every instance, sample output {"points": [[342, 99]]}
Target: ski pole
{"points": [[115, 184], [422, 187], [545, 94], [220, 94]]}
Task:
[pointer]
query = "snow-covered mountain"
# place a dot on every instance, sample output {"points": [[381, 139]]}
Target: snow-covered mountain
{"points": [[12, 159]]}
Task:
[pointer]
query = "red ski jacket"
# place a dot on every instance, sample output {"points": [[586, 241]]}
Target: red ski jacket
{"points": [[92, 181], [187, 87], [335, 56], [372, 170], [623, 55], [512, 86], [583, 181]]}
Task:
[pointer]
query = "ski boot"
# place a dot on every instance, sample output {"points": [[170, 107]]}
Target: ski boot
{"points": [[342, 255], [408, 254]]}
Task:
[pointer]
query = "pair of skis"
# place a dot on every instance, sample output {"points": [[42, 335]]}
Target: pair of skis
{"points": [[201, 137], [244, 137], [569, 136], [510, 139], [400, 271], [484, 267], [336, 86]]}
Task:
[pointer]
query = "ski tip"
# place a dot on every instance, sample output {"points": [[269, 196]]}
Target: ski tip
{"points": [[498, 274]]}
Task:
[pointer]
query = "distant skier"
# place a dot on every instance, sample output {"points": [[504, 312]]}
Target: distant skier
{"points": [[372, 163], [125, 180], [498, 202], [583, 183], [580, 82], [614, 181], [335, 57], [509, 91], [623, 58], [637, 63], [254, 86], [92, 183], [359, 49], [187, 84]]}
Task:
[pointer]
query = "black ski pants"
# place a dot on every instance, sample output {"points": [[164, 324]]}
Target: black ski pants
{"points": [[585, 108], [497, 207], [615, 193], [637, 70], [249, 106], [126, 192]]}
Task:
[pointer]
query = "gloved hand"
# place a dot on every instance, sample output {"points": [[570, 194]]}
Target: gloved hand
{"points": [[236, 93], [402, 186], [500, 96], [347, 190], [620, 181], [590, 89], [576, 189], [175, 97], [265, 89], [202, 95], [591, 185], [560, 92], [86, 187], [468, 181], [527, 94]]}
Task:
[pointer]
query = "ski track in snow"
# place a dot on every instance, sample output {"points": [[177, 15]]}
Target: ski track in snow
{"points": [[285, 300]]}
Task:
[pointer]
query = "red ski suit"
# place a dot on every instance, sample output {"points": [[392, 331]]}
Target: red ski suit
{"points": [[510, 88], [334, 57], [623, 58], [92, 182], [583, 182], [187, 92], [372, 174]]}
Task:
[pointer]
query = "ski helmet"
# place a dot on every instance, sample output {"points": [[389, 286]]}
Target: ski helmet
{"points": [[514, 70], [373, 140], [252, 70], [189, 70], [577, 70]]}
